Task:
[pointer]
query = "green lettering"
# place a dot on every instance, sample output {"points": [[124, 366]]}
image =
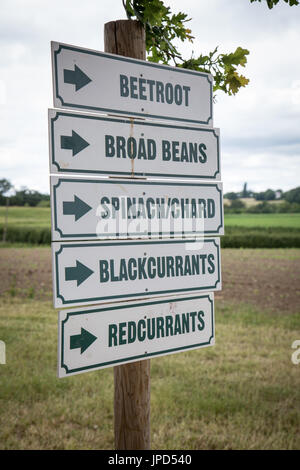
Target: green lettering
{"points": [[123, 270], [211, 210], [112, 335], [175, 151], [124, 90], [151, 267], [184, 152], [109, 146], [210, 260], [186, 89], [166, 154], [150, 328], [133, 87], [131, 332], [104, 273], [131, 147], [160, 92], [132, 271], [170, 266], [142, 88], [141, 333], [178, 95], [201, 325], [122, 333], [179, 262], [203, 157], [141, 268], [187, 266], [185, 323], [169, 93], [121, 142], [142, 150], [160, 327], [193, 152], [151, 149], [169, 325], [177, 326], [193, 315]]}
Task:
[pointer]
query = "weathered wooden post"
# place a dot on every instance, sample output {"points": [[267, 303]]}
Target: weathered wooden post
{"points": [[132, 381]]}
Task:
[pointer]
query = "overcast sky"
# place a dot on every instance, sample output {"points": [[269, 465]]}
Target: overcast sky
{"points": [[260, 126]]}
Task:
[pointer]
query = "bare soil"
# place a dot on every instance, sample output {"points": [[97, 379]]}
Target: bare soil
{"points": [[266, 278]]}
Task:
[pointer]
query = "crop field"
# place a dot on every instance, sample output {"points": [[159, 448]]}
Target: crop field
{"points": [[35, 217], [32, 225], [40, 217], [242, 393], [263, 220]]}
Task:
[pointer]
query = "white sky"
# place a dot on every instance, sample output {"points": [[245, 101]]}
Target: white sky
{"points": [[260, 126]]}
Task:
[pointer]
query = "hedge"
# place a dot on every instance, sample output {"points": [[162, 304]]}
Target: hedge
{"points": [[235, 237], [36, 236]]}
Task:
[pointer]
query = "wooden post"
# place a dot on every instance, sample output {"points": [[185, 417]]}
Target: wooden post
{"points": [[132, 381], [5, 221]]}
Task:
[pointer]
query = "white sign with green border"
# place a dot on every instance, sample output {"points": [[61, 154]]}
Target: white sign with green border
{"points": [[111, 208], [90, 80], [95, 272], [103, 145], [109, 335]]}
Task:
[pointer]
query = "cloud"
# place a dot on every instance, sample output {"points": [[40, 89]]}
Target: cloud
{"points": [[259, 126]]}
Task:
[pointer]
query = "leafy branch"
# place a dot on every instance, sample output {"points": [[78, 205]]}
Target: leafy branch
{"points": [[162, 27], [272, 3]]}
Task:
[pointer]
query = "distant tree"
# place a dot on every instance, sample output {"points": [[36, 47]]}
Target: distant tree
{"points": [[28, 197], [260, 196], [270, 195], [293, 195], [231, 196], [5, 186], [237, 205], [262, 208]]}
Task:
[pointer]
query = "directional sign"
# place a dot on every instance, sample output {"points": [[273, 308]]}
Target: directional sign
{"points": [[94, 338], [94, 272], [97, 81], [109, 208], [86, 143]]}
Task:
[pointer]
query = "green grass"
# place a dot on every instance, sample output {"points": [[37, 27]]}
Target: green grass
{"points": [[242, 393], [32, 225], [35, 217], [263, 220], [39, 217]]}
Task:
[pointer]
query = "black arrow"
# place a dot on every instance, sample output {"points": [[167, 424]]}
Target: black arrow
{"points": [[78, 273], [74, 143], [82, 341], [76, 77], [77, 208]]}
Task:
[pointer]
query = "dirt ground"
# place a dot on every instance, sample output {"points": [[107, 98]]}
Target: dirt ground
{"points": [[268, 279]]}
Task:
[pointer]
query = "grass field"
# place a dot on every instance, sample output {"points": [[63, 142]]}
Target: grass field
{"points": [[32, 226], [39, 217], [35, 217], [263, 220], [242, 393]]}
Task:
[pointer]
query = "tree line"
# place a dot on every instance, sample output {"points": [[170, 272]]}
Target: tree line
{"points": [[288, 201], [22, 197]]}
